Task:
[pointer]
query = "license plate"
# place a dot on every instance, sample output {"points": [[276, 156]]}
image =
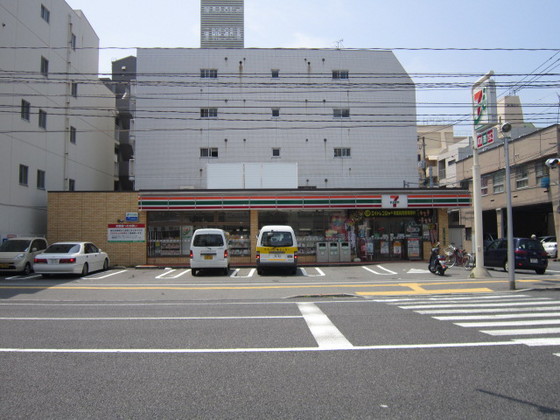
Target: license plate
{"points": [[208, 257], [534, 260], [4, 265], [52, 261]]}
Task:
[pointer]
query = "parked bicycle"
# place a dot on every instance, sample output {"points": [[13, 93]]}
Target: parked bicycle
{"points": [[459, 257]]}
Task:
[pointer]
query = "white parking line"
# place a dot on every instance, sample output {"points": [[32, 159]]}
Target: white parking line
{"points": [[306, 274], [105, 276], [166, 274], [388, 272], [237, 270], [23, 277]]}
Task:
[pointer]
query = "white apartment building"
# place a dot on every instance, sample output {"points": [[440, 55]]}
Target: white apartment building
{"points": [[57, 121], [337, 118]]}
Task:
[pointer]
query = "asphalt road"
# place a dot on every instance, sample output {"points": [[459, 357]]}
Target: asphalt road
{"points": [[347, 343]]}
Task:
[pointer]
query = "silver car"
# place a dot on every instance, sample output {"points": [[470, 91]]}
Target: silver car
{"points": [[71, 258], [17, 254]]}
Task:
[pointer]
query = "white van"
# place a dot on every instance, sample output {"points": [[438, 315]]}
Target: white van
{"points": [[277, 247], [209, 249]]}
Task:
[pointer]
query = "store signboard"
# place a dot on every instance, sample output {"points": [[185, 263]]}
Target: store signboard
{"points": [[485, 111], [126, 232], [132, 216], [485, 138], [395, 201]]}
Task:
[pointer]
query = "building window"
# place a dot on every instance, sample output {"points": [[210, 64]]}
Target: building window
{"points": [[23, 175], [484, 185], [541, 171], [342, 152], [498, 181], [25, 110], [339, 74], [275, 112], [209, 73], [40, 179], [45, 14], [341, 113], [442, 174], [208, 112], [44, 66], [71, 184], [73, 41], [275, 152], [275, 74], [73, 134], [522, 177], [42, 119], [211, 152], [74, 89]]}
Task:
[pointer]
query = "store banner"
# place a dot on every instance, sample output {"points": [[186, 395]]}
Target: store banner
{"points": [[126, 232]]}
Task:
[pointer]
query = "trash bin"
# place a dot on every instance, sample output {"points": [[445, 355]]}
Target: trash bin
{"points": [[345, 252], [334, 251], [322, 252]]}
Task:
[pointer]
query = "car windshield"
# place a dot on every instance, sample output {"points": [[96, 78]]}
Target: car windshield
{"points": [[532, 245], [15, 245], [208, 239], [277, 239], [63, 249]]}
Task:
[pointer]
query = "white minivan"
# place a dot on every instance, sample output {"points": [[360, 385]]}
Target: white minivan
{"points": [[277, 247], [209, 250]]}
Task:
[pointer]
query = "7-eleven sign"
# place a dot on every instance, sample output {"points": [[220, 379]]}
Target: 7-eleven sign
{"points": [[394, 201]]}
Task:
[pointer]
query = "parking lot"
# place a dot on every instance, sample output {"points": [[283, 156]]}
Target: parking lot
{"points": [[397, 278]]}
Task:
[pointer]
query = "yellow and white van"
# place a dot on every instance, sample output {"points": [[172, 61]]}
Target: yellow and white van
{"points": [[277, 247]]}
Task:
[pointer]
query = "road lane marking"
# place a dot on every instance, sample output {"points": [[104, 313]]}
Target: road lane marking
{"points": [[499, 316], [157, 318], [165, 275], [528, 331], [262, 349], [324, 331], [508, 323]]}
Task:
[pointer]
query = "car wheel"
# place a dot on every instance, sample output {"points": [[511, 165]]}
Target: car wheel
{"points": [[226, 271], [260, 271], [85, 269], [27, 269], [506, 266], [105, 264], [540, 270], [194, 272]]}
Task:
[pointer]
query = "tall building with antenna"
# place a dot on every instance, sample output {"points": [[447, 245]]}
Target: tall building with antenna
{"points": [[221, 24]]}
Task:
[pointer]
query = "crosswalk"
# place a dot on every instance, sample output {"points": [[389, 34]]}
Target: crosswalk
{"points": [[525, 319]]}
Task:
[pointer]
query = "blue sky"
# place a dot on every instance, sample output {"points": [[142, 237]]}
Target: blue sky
{"points": [[490, 24]]}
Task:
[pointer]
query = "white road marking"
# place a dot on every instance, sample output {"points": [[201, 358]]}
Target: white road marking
{"points": [[529, 331], [417, 271], [105, 276], [251, 272], [263, 349], [535, 342], [156, 318], [479, 305], [485, 311], [387, 273], [508, 323], [306, 274], [324, 331], [165, 275], [500, 316]]}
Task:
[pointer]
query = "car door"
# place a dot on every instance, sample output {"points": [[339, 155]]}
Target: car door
{"points": [[492, 254], [93, 257]]}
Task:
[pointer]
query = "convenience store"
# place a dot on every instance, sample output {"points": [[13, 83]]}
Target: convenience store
{"points": [[373, 225]]}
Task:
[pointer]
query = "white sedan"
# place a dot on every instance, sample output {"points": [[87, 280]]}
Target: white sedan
{"points": [[71, 258]]}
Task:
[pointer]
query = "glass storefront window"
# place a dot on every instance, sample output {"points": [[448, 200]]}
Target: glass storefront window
{"points": [[170, 233]]}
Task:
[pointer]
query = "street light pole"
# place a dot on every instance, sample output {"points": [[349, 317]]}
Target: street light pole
{"points": [[506, 128]]}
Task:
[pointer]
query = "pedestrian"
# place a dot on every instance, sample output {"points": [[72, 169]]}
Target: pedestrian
{"points": [[533, 236]]}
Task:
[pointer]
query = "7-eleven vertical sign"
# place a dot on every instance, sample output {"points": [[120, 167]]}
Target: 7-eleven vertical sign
{"points": [[484, 104]]}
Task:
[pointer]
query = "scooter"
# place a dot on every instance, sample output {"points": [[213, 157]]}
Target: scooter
{"points": [[437, 264]]}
